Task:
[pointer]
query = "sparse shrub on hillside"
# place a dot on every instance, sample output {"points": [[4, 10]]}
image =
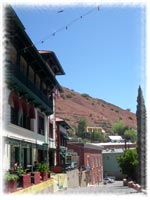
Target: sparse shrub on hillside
{"points": [[87, 96], [97, 136], [128, 109], [120, 118], [112, 109], [66, 119], [73, 94], [82, 126], [69, 95], [116, 111], [103, 105], [93, 103], [118, 128], [63, 96], [90, 115], [130, 118]]}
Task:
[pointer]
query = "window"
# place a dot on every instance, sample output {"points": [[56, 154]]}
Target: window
{"points": [[31, 74], [37, 81], [14, 116], [88, 161], [44, 89], [40, 124], [23, 65], [12, 54], [50, 130], [19, 118], [96, 159]]}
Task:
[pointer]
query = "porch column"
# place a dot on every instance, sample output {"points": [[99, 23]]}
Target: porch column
{"points": [[46, 137], [35, 151], [19, 152]]}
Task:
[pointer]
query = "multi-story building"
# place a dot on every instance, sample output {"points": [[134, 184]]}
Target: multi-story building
{"points": [[110, 163], [29, 82], [90, 159], [111, 151]]}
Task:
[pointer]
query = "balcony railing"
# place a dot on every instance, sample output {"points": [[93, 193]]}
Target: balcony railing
{"points": [[27, 83]]}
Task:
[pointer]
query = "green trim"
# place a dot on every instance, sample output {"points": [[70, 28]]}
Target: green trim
{"points": [[62, 155], [65, 137], [14, 82]]}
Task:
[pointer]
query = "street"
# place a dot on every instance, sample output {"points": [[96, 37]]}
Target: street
{"points": [[110, 188]]}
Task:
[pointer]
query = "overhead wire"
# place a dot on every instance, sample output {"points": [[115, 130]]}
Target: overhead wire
{"points": [[41, 41]]}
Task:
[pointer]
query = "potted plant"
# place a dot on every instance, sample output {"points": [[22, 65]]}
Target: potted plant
{"points": [[35, 177], [10, 182], [25, 178], [49, 173], [43, 168]]}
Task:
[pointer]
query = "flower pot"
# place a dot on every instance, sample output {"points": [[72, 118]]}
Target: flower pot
{"points": [[35, 177], [44, 176], [26, 180], [10, 186], [56, 169], [49, 174]]}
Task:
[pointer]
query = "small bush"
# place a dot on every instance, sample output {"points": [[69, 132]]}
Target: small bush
{"points": [[86, 96], [69, 95]]}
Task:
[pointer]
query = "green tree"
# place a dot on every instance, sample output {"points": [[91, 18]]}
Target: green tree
{"points": [[130, 134], [141, 138], [82, 126], [118, 128], [97, 136], [128, 163]]}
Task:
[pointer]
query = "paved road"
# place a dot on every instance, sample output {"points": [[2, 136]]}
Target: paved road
{"points": [[110, 188]]}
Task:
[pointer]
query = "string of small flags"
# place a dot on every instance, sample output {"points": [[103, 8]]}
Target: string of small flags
{"points": [[62, 28]]}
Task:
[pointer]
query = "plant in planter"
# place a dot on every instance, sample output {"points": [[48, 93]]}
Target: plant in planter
{"points": [[43, 169], [24, 177], [35, 177], [49, 173], [10, 182]]}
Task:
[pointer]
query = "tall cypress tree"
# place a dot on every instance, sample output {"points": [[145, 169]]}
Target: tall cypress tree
{"points": [[141, 139]]}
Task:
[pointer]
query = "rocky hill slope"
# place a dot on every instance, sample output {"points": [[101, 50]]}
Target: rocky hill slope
{"points": [[71, 106]]}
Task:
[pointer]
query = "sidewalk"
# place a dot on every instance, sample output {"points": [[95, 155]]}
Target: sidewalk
{"points": [[55, 183]]}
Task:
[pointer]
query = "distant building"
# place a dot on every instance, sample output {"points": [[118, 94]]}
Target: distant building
{"points": [[94, 128], [110, 152], [116, 145], [110, 163], [90, 159], [116, 138]]}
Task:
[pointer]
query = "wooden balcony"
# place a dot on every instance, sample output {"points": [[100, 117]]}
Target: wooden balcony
{"points": [[16, 79]]}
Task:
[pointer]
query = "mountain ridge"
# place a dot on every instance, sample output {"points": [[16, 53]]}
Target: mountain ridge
{"points": [[72, 106]]}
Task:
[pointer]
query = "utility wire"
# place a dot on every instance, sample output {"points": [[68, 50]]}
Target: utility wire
{"points": [[63, 28]]}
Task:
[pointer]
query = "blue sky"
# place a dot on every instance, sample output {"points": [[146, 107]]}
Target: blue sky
{"points": [[100, 52]]}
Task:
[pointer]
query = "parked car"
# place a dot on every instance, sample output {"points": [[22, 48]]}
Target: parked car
{"points": [[108, 180]]}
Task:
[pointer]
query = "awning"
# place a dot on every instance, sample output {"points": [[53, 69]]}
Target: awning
{"points": [[13, 100], [31, 111], [62, 155], [23, 105], [65, 136]]}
